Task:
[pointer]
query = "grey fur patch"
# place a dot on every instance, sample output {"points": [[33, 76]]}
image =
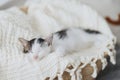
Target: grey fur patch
{"points": [[41, 41], [31, 42], [92, 31], [62, 34]]}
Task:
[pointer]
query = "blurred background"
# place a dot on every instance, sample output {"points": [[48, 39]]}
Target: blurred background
{"points": [[109, 9]]}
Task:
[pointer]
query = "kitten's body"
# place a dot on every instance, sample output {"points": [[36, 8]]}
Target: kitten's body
{"points": [[73, 39], [63, 42]]}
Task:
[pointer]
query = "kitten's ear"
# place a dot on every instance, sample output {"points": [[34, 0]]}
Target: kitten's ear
{"points": [[49, 40], [24, 42]]}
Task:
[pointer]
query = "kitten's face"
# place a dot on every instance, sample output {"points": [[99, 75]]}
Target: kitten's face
{"points": [[36, 46]]}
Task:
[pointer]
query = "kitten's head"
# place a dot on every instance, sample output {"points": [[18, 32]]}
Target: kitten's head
{"points": [[36, 46]]}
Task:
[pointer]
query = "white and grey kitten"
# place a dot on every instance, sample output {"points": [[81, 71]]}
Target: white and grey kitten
{"points": [[61, 42]]}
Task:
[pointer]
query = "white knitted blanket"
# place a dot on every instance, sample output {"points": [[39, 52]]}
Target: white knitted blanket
{"points": [[43, 18]]}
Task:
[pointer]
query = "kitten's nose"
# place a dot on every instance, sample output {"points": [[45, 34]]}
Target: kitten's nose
{"points": [[35, 57]]}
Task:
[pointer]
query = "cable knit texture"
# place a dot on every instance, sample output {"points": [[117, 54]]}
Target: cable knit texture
{"points": [[14, 65]]}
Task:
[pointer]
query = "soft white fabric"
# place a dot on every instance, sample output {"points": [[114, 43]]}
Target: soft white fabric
{"points": [[14, 65], [52, 14]]}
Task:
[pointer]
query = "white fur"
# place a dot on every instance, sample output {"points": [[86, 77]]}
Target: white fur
{"points": [[36, 47], [76, 40], [37, 50]]}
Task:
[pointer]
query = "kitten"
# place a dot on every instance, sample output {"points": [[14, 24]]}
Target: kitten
{"points": [[61, 42]]}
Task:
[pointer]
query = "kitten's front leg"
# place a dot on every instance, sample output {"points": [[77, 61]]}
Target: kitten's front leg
{"points": [[60, 52]]}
